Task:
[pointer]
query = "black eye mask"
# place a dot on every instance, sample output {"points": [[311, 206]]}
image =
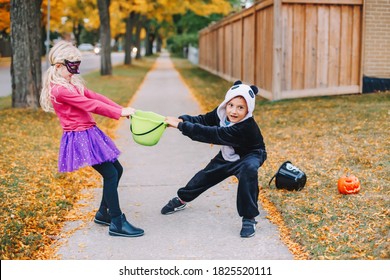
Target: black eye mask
{"points": [[72, 66]]}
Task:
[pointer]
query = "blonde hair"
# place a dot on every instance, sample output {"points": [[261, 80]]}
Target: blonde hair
{"points": [[57, 55]]}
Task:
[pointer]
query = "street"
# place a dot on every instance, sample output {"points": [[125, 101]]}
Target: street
{"points": [[90, 62]]}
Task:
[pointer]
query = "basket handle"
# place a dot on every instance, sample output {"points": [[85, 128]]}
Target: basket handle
{"points": [[269, 184], [140, 134]]}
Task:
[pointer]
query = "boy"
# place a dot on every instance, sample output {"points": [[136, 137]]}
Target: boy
{"points": [[232, 126]]}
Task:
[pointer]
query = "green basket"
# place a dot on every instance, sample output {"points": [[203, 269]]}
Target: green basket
{"points": [[147, 127]]}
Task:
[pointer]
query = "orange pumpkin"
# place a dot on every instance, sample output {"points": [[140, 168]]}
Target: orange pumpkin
{"points": [[348, 185]]}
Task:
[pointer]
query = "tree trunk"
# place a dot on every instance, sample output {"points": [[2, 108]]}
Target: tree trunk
{"points": [[159, 44], [138, 37], [105, 37], [26, 65], [77, 28], [149, 42], [129, 37], [151, 32], [148, 47]]}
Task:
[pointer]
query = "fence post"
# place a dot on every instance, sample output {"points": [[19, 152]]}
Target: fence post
{"points": [[242, 49], [362, 46], [277, 52], [255, 46]]}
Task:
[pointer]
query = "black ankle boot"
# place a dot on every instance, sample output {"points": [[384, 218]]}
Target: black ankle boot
{"points": [[121, 227], [102, 219]]}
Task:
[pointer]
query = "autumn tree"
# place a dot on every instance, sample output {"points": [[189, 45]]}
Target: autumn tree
{"points": [[105, 37], [124, 12], [26, 68], [152, 26], [130, 12], [160, 12], [190, 16], [130, 20], [71, 16], [4, 16], [117, 21]]}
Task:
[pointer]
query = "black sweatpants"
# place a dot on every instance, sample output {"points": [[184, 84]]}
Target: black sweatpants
{"points": [[111, 172], [246, 171]]}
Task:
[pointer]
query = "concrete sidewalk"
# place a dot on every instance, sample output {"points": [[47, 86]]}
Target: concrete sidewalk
{"points": [[208, 229]]}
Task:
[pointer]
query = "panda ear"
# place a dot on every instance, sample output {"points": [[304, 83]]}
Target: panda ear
{"points": [[255, 89], [238, 82]]}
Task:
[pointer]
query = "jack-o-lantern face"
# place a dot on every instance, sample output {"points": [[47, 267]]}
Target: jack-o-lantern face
{"points": [[348, 185]]}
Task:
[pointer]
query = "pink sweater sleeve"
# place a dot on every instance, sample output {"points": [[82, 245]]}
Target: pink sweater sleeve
{"points": [[93, 103], [93, 95]]}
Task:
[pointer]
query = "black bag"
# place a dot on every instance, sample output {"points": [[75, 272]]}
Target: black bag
{"points": [[289, 177]]}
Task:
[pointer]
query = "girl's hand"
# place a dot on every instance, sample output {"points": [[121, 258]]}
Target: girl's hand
{"points": [[172, 121], [128, 111]]}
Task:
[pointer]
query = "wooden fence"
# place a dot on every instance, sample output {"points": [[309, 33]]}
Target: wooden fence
{"points": [[289, 48]]}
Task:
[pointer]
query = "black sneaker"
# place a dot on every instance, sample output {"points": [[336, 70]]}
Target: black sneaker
{"points": [[248, 228], [173, 205], [102, 219]]}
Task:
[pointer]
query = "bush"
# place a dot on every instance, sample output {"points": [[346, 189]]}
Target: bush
{"points": [[177, 43]]}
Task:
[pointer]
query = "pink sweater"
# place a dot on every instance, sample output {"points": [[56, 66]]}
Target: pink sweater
{"points": [[74, 110]]}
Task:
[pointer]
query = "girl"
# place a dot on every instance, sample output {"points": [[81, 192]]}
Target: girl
{"points": [[83, 143]]}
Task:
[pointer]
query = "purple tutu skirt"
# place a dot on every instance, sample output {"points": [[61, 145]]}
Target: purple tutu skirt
{"points": [[85, 148]]}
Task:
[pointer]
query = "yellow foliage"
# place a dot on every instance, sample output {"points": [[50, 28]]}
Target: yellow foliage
{"points": [[212, 7], [65, 15], [117, 16], [56, 8], [36, 195], [5, 20]]}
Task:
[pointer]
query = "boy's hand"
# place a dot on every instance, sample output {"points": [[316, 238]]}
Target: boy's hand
{"points": [[172, 121]]}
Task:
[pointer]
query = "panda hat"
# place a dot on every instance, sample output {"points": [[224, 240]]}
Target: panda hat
{"points": [[239, 89]]}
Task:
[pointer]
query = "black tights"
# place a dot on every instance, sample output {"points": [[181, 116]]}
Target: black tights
{"points": [[111, 172]]}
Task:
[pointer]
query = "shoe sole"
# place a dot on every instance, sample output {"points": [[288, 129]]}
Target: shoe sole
{"points": [[101, 222], [175, 210], [124, 235], [253, 234]]}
